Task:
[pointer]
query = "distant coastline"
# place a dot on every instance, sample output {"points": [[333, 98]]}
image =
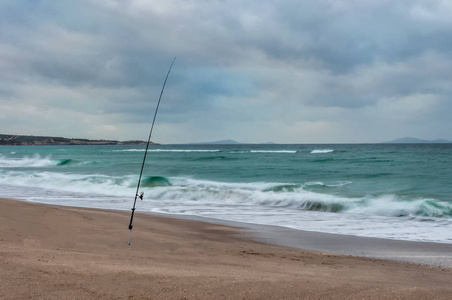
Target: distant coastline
{"points": [[412, 140], [28, 140]]}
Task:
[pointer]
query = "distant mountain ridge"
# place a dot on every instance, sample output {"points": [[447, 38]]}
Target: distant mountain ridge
{"points": [[26, 140], [412, 140]]}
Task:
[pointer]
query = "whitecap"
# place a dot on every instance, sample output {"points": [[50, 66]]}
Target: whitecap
{"points": [[26, 161], [317, 151], [273, 151]]}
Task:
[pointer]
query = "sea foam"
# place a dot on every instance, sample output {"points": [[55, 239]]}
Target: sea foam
{"points": [[365, 190], [25, 162]]}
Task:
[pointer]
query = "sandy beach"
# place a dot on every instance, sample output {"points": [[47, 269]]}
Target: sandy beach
{"points": [[54, 252]]}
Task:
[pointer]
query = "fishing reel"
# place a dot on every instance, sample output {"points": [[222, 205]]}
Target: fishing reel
{"points": [[141, 196]]}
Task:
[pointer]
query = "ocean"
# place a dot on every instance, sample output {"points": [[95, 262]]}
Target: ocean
{"points": [[392, 191]]}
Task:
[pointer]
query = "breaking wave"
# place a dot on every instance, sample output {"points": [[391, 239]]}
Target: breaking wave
{"points": [[154, 181], [261, 194], [322, 151], [35, 161], [27, 161], [231, 151], [273, 151]]}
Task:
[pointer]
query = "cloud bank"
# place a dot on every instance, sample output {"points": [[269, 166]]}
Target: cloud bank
{"points": [[255, 71]]}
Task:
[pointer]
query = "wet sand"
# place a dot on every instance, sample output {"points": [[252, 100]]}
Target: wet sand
{"points": [[54, 252], [427, 253]]}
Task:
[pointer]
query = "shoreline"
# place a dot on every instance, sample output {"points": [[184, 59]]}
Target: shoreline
{"points": [[59, 252], [416, 252]]}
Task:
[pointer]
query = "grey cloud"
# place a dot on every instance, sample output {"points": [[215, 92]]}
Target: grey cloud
{"points": [[239, 63]]}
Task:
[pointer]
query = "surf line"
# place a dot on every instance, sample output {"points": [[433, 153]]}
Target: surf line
{"points": [[145, 154]]}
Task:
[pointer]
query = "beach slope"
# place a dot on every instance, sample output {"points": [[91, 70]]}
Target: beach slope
{"points": [[53, 252]]}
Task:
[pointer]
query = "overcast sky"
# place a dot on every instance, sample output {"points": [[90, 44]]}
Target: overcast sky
{"points": [[324, 71]]}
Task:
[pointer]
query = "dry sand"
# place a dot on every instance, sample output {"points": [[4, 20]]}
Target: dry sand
{"points": [[53, 252]]}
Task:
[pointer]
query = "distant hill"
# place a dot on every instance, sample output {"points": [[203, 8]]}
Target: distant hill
{"points": [[25, 140], [222, 142], [411, 140]]}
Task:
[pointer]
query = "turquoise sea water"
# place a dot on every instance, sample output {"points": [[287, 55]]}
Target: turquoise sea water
{"points": [[379, 190]]}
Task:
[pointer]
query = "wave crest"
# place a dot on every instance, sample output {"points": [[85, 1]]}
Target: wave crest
{"points": [[317, 151], [310, 196], [26, 162]]}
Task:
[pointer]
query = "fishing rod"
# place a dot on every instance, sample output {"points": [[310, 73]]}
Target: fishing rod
{"points": [[145, 154]]}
